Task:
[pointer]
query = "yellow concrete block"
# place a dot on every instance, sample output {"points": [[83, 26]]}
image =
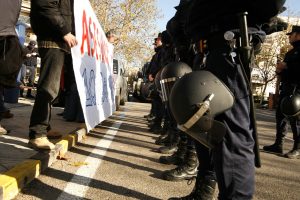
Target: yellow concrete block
{"points": [[15, 179]]}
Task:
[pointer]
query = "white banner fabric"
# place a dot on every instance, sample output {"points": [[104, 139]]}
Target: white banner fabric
{"points": [[92, 63]]}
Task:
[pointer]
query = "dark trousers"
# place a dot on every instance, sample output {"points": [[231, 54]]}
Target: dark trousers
{"points": [[282, 126], [206, 166], [234, 156], [52, 61], [158, 109], [31, 77]]}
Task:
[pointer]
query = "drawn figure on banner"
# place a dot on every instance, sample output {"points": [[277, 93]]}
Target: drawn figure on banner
{"points": [[89, 78], [104, 89], [89, 83], [111, 86]]}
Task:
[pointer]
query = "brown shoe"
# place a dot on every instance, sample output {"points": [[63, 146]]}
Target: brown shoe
{"points": [[7, 114], [3, 131], [41, 143], [53, 135]]}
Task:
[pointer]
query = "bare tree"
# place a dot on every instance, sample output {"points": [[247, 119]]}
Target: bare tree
{"points": [[134, 23], [273, 51]]}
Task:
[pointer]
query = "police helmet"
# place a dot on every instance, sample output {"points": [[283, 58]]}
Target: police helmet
{"points": [[195, 100], [290, 105], [170, 74]]}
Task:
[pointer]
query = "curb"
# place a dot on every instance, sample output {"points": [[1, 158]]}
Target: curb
{"points": [[12, 181]]}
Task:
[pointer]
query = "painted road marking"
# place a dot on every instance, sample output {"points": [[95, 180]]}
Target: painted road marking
{"points": [[78, 186]]}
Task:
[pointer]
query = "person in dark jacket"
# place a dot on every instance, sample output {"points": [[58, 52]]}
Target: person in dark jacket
{"points": [[53, 23], [288, 71], [154, 67], [9, 14], [30, 64]]}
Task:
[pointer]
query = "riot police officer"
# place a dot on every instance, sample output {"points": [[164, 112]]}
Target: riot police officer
{"points": [[288, 72], [227, 58]]}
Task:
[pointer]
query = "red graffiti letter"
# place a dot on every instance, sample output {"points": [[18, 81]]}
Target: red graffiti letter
{"points": [[85, 36]]}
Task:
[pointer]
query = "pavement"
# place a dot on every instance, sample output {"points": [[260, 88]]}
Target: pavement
{"points": [[20, 164]]}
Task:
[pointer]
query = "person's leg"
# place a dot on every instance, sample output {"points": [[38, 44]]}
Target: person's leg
{"points": [[295, 126], [4, 111], [2, 106], [31, 80], [234, 156], [48, 86], [205, 185], [281, 131]]}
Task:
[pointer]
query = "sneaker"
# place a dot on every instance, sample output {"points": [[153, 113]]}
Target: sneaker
{"points": [[3, 131], [41, 143], [274, 148], [293, 154]]}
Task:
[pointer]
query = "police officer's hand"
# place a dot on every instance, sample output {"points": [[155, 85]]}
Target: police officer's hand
{"points": [[70, 39], [280, 66]]}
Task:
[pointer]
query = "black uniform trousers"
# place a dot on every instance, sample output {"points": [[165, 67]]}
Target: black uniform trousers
{"points": [[234, 156], [52, 61], [282, 123]]}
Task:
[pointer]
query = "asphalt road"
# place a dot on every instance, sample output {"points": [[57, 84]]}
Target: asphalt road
{"points": [[118, 160]]}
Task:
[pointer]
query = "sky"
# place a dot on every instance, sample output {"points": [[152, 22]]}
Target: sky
{"points": [[168, 10]]}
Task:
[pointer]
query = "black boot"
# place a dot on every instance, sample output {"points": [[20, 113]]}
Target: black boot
{"points": [[204, 189], [177, 158], [162, 139], [172, 146], [186, 171], [276, 147]]}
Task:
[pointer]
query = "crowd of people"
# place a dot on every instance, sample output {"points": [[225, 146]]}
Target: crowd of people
{"points": [[198, 40], [192, 42]]}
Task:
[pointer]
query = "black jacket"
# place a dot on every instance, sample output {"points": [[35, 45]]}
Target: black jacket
{"points": [[156, 62], [207, 17], [51, 19], [32, 60], [291, 75]]}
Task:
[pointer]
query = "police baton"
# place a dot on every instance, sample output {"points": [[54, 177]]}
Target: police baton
{"points": [[245, 50]]}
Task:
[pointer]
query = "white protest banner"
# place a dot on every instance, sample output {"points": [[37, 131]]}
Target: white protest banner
{"points": [[92, 63]]}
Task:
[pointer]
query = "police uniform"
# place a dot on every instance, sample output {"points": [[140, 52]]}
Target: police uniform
{"points": [[234, 157], [289, 84]]}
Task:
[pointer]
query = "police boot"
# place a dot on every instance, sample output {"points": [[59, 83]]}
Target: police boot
{"points": [[204, 189], [186, 171], [178, 156], [156, 127], [276, 147], [172, 146], [162, 139]]}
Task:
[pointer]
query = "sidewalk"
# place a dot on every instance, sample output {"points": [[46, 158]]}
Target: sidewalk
{"points": [[19, 164]]}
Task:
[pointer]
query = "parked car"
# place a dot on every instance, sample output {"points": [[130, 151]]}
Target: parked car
{"points": [[141, 83], [120, 83]]}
